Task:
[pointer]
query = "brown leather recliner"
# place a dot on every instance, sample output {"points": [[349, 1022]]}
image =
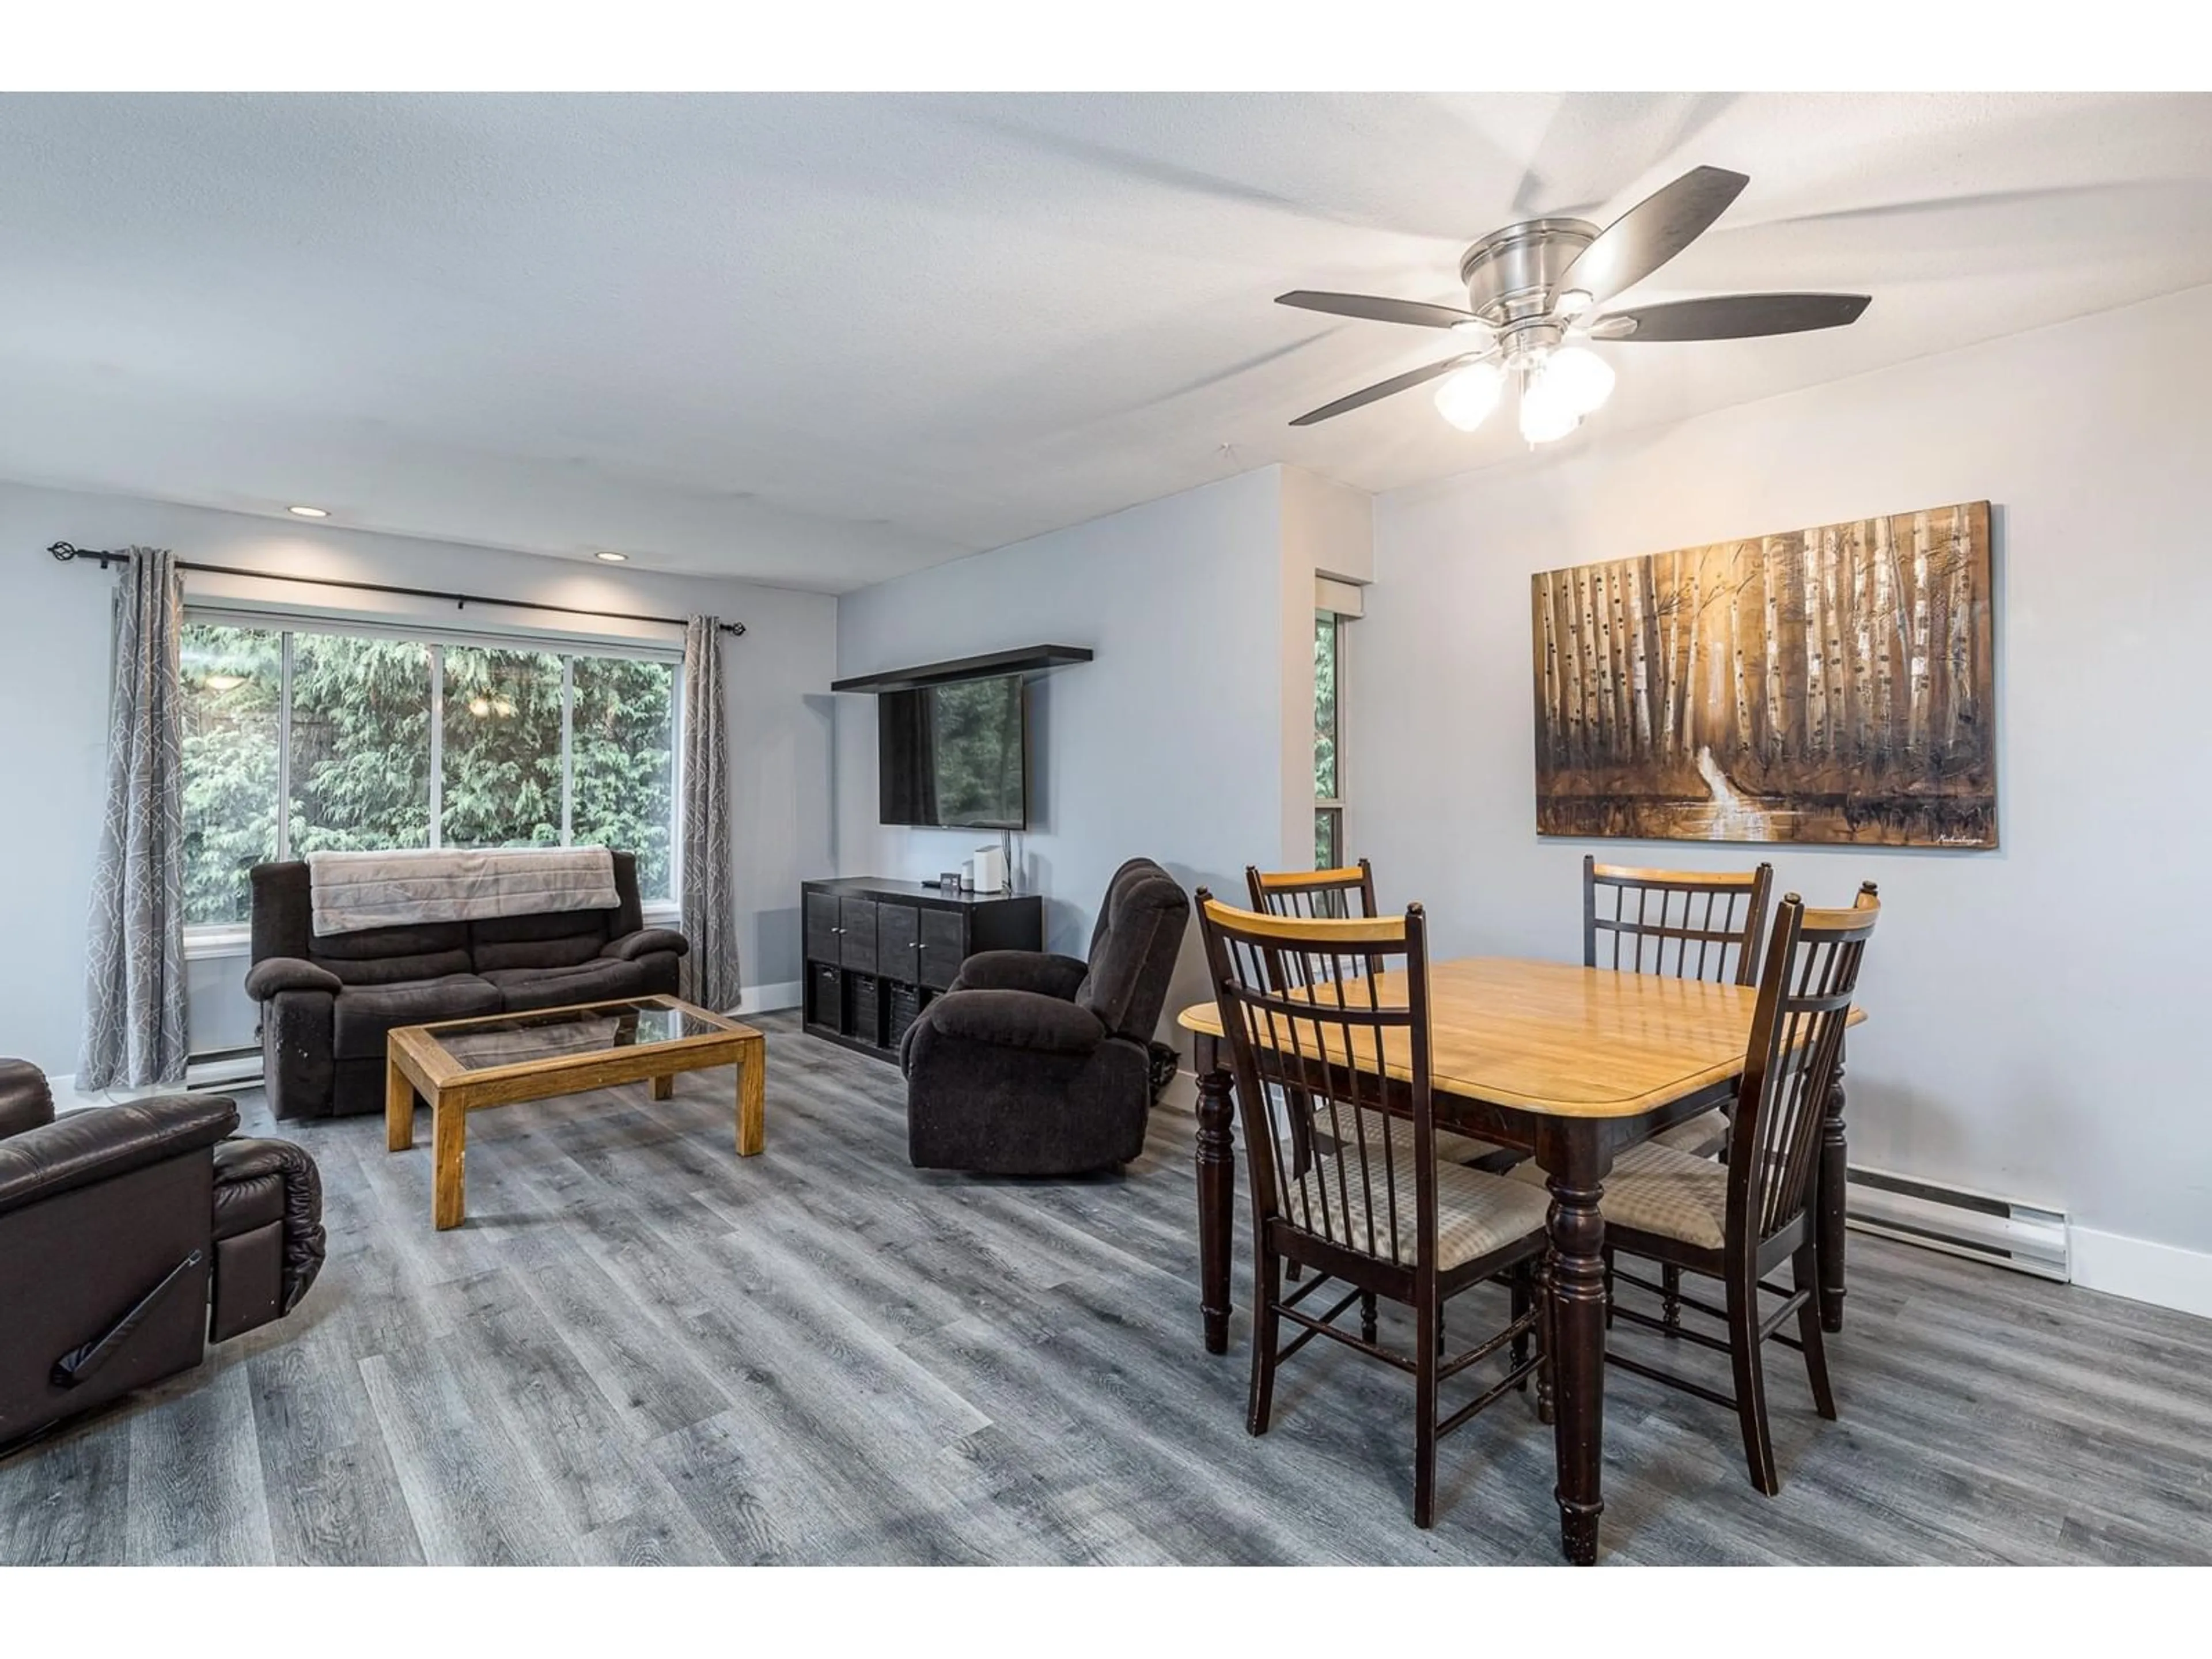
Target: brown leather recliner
{"points": [[130, 1236]]}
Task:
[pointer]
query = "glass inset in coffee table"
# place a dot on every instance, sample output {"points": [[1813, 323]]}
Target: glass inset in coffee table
{"points": [[464, 1066]]}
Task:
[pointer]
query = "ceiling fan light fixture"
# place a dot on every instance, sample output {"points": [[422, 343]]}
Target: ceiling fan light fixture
{"points": [[1580, 378], [1467, 395], [1536, 284], [1546, 414]]}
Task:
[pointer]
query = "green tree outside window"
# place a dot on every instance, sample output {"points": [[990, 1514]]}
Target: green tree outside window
{"points": [[362, 711]]}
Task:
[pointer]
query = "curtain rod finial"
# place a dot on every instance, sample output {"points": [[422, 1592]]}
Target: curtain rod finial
{"points": [[67, 551]]}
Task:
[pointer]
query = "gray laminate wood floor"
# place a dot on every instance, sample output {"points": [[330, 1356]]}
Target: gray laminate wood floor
{"points": [[640, 1349]]}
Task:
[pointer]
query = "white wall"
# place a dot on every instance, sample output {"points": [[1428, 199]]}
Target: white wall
{"points": [[1165, 745], [2036, 1009], [54, 648]]}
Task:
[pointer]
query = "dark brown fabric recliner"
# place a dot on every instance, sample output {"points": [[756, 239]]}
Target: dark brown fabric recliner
{"points": [[329, 1001], [1033, 1064], [130, 1236]]}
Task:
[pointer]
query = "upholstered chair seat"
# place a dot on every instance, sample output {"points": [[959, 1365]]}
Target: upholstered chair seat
{"points": [[1477, 1214], [1451, 1149], [1702, 1136], [1661, 1190]]}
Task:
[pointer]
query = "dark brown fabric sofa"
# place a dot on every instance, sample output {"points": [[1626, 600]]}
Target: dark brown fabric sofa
{"points": [[132, 1236], [328, 1002]]}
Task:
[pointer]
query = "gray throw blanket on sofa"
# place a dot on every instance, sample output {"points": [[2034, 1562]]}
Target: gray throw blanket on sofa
{"points": [[352, 891]]}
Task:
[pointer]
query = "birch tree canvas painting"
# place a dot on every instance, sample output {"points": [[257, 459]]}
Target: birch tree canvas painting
{"points": [[1832, 684]]}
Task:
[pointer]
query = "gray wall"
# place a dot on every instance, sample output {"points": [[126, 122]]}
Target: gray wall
{"points": [[1166, 745], [2034, 1009], [54, 697]]}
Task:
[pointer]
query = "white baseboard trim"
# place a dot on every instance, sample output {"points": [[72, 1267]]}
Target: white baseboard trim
{"points": [[767, 999], [201, 1077], [1182, 1093], [2160, 1274]]}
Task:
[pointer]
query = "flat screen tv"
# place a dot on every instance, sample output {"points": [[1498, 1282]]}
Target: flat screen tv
{"points": [[954, 755]]}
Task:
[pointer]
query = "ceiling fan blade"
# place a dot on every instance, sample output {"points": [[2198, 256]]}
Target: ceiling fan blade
{"points": [[1652, 231], [1375, 308], [1731, 317], [1381, 389]]}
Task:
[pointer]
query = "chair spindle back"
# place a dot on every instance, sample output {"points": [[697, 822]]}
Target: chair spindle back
{"points": [[1311, 895], [1690, 924], [1307, 1020], [1797, 1046]]}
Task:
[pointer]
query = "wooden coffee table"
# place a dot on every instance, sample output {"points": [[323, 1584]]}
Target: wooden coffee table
{"points": [[464, 1066]]}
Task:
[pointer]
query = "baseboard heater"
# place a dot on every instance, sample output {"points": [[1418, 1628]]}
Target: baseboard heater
{"points": [[1980, 1226], [217, 1069]]}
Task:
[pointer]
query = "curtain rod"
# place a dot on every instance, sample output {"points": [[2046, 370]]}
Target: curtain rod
{"points": [[66, 552]]}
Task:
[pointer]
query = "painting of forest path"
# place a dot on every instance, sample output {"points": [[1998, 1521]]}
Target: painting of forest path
{"points": [[1832, 684]]}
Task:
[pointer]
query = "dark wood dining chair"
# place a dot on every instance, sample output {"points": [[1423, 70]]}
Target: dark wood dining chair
{"points": [[1347, 892], [1363, 1210], [1686, 923], [1710, 924], [1350, 892], [1692, 924], [1741, 1221]]}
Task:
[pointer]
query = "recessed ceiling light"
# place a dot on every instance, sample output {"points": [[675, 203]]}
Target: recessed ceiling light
{"points": [[309, 512], [612, 558]]}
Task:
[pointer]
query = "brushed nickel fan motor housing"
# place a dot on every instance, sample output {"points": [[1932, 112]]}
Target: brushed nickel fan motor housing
{"points": [[1511, 274]]}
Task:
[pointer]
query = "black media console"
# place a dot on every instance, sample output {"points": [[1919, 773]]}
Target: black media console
{"points": [[879, 952]]}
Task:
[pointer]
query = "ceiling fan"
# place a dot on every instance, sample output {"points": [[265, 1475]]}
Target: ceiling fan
{"points": [[1533, 290]]}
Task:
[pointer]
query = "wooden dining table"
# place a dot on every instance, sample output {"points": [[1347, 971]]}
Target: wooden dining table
{"points": [[1573, 1065]]}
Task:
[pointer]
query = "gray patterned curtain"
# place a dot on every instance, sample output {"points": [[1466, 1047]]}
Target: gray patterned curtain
{"points": [[134, 1028], [710, 971]]}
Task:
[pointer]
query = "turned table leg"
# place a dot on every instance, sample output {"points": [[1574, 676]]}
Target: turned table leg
{"points": [[1217, 1195], [1835, 1160], [1574, 1154]]}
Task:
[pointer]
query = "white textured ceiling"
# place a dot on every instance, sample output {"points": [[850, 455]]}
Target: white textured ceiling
{"points": [[824, 340]]}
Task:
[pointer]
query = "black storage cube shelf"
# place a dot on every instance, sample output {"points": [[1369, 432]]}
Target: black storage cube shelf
{"points": [[879, 952]]}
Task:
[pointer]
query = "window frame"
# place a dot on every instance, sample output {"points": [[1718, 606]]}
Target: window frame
{"points": [[214, 939], [1332, 805]]}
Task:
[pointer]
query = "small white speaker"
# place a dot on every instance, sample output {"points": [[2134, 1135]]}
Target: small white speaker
{"points": [[986, 871]]}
